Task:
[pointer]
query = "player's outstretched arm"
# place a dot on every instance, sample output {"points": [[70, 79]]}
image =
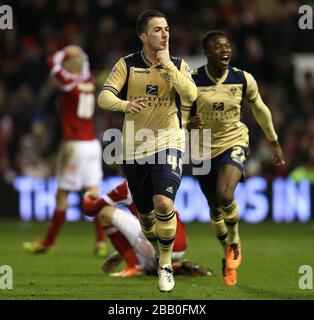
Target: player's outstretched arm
{"points": [[263, 116]]}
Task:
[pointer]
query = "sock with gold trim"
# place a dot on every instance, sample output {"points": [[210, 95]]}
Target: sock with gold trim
{"points": [[231, 216], [148, 225], [166, 226], [220, 229]]}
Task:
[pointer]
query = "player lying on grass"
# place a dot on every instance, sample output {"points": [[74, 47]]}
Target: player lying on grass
{"points": [[125, 233]]}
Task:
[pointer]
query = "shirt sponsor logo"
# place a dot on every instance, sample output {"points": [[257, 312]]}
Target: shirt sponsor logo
{"points": [[152, 90], [211, 90], [218, 106], [145, 71]]}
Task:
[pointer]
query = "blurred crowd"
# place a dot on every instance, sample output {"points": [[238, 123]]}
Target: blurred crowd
{"points": [[264, 34]]}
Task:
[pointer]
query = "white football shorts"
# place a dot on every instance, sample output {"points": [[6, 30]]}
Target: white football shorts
{"points": [[79, 165]]}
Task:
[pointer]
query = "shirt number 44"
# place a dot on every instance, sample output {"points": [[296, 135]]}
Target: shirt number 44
{"points": [[174, 163]]}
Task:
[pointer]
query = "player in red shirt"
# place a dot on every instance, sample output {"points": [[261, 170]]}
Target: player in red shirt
{"points": [[79, 158], [125, 233]]}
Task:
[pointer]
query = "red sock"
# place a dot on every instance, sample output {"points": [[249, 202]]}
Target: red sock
{"points": [[55, 225], [123, 246], [91, 206], [100, 232], [119, 193]]}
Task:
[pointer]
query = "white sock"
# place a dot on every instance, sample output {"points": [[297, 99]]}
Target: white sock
{"points": [[130, 227], [127, 224]]}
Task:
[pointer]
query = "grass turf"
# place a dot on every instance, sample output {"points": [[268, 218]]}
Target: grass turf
{"points": [[272, 255]]}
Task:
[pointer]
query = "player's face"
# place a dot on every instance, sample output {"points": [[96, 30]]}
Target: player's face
{"points": [[219, 52], [157, 34]]}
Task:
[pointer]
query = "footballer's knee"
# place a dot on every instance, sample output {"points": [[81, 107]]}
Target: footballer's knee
{"points": [[215, 214], [162, 204], [62, 199], [146, 217], [224, 198], [105, 215], [212, 200]]}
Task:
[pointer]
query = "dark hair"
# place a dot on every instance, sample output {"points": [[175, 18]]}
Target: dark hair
{"points": [[144, 17], [209, 35]]}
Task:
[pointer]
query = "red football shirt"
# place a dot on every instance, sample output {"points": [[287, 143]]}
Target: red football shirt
{"points": [[76, 100]]}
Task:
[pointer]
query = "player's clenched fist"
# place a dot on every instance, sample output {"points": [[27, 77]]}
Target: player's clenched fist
{"points": [[196, 122], [135, 106], [278, 157]]}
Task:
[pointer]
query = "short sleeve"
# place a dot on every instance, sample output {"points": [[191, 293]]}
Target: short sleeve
{"points": [[252, 88]]}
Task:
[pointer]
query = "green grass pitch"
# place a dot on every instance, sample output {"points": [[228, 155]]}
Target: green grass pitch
{"points": [[272, 255]]}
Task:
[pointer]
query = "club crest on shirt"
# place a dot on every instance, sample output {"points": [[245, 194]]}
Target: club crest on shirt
{"points": [[233, 91]]}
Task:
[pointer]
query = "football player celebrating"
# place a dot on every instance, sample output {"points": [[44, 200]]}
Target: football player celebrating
{"points": [[149, 86], [221, 90], [79, 159]]}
